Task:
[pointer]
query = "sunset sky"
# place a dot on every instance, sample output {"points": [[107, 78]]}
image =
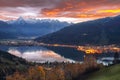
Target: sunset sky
{"points": [[66, 10]]}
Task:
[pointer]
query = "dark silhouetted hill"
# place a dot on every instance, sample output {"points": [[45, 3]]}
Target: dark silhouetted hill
{"points": [[101, 31], [10, 63]]}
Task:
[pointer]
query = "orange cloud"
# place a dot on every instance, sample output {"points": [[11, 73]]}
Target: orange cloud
{"points": [[51, 13], [83, 9], [60, 8], [110, 11]]}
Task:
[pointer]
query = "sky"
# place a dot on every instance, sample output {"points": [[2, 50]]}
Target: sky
{"points": [[64, 10]]}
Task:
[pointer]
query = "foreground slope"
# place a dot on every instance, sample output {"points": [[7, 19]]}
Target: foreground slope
{"points": [[10, 63], [101, 31], [108, 73]]}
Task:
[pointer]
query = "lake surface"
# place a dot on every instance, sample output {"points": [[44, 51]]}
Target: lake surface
{"points": [[35, 53], [43, 54]]}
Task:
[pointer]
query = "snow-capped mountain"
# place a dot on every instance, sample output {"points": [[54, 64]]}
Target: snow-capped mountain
{"points": [[20, 21], [22, 28]]}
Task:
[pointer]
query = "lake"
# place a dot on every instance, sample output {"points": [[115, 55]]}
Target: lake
{"points": [[43, 54], [40, 54]]}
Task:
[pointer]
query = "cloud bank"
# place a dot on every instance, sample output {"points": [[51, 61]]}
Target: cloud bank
{"points": [[91, 9]]}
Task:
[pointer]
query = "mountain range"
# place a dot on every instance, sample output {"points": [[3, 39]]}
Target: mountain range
{"points": [[102, 31], [29, 28]]}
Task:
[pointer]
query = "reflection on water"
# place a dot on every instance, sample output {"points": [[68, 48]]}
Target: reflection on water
{"points": [[35, 53]]}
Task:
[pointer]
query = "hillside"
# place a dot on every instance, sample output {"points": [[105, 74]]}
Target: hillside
{"points": [[6, 30], [100, 31], [108, 73], [10, 63]]}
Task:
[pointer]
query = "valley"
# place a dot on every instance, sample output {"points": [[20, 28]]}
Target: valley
{"points": [[56, 49]]}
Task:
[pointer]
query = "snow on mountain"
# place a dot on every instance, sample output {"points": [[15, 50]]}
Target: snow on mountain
{"points": [[30, 27]]}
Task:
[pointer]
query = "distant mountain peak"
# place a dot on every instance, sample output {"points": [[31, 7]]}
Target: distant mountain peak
{"points": [[20, 20]]}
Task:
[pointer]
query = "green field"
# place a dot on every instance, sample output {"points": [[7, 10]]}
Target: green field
{"points": [[107, 73]]}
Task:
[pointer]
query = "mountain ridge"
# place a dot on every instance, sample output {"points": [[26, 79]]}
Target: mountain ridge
{"points": [[97, 32]]}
